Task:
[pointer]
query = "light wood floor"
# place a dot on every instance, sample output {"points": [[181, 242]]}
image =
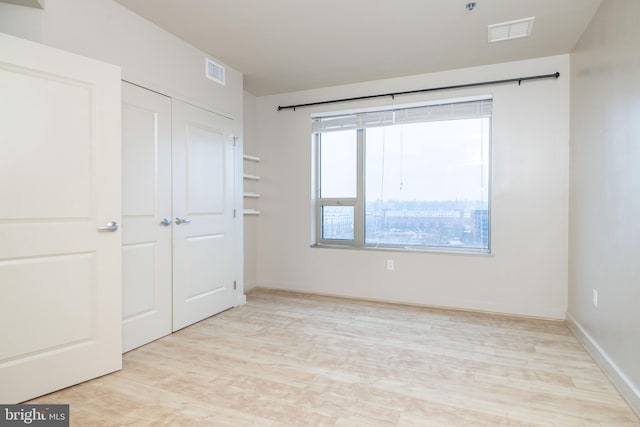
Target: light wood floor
{"points": [[288, 359]]}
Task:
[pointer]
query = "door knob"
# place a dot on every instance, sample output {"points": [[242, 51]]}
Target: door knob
{"points": [[166, 222], [182, 220], [111, 227]]}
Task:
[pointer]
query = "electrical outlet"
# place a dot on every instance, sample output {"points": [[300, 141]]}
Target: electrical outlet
{"points": [[595, 298], [390, 264]]}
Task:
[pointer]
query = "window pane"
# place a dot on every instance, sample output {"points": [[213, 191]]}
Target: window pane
{"points": [[426, 184], [337, 222], [338, 164]]}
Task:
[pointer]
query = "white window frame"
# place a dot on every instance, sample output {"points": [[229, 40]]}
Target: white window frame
{"points": [[357, 202], [358, 241]]}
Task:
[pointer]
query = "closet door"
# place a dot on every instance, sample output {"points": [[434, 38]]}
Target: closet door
{"points": [[203, 214], [60, 264], [146, 216]]}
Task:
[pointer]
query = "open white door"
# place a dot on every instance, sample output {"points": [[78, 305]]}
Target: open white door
{"points": [[203, 193], [60, 276], [146, 216]]}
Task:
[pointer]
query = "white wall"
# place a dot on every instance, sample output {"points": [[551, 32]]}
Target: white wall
{"points": [[527, 272], [148, 55], [605, 192]]}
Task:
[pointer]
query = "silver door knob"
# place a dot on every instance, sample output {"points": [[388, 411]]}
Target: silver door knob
{"points": [[166, 222], [182, 220], [111, 227]]}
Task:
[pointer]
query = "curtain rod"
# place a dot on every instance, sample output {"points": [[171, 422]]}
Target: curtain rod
{"points": [[433, 89]]}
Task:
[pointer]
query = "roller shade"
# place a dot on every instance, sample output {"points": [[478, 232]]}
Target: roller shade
{"points": [[438, 112]]}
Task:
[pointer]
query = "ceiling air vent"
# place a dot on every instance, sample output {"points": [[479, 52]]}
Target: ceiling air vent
{"points": [[511, 30], [215, 71]]}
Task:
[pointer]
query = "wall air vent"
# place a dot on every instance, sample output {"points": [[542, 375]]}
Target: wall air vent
{"points": [[511, 30], [214, 71]]}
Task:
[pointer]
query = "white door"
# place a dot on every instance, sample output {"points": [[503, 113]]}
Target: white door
{"points": [[203, 214], [60, 277], [146, 216]]}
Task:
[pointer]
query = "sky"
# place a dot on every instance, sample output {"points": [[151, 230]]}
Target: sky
{"points": [[435, 161]]}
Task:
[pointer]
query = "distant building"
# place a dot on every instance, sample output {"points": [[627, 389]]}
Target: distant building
{"points": [[480, 219], [413, 227]]}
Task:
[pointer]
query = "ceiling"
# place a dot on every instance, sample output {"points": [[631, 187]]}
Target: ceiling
{"points": [[288, 45]]}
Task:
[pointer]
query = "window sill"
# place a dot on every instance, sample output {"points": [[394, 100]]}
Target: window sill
{"points": [[408, 249]]}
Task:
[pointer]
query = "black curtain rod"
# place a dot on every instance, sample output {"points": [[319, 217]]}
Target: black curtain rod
{"points": [[433, 89]]}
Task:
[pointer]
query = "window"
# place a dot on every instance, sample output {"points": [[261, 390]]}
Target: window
{"points": [[415, 178]]}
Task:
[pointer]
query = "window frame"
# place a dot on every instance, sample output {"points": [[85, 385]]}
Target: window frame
{"points": [[358, 202]]}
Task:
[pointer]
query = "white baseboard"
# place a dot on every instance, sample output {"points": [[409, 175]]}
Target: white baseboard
{"points": [[459, 305], [250, 285], [625, 387]]}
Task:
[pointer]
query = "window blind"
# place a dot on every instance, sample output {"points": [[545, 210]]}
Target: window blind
{"points": [[438, 112]]}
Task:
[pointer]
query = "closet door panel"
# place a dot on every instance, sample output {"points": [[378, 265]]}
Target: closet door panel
{"points": [[203, 214], [146, 202], [205, 182]]}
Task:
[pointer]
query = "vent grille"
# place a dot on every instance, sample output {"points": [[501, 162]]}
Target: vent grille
{"points": [[510, 30], [215, 71]]}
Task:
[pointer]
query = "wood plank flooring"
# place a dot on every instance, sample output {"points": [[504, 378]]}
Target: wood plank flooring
{"points": [[288, 359]]}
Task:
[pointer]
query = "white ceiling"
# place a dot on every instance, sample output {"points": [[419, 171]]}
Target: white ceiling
{"points": [[286, 45]]}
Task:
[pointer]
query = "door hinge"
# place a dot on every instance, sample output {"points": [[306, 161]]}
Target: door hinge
{"points": [[235, 140], [235, 285], [234, 213]]}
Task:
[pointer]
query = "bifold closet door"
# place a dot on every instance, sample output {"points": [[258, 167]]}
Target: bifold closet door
{"points": [[60, 263], [177, 215], [146, 216], [203, 190]]}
